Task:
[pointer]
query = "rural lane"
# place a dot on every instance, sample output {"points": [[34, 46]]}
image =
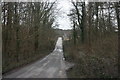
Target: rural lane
{"points": [[52, 66]]}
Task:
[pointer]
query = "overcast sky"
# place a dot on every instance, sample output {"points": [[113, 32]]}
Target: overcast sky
{"points": [[62, 18]]}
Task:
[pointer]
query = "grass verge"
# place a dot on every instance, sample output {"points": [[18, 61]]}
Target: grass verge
{"points": [[101, 62]]}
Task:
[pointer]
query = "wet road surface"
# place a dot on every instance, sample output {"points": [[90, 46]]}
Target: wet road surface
{"points": [[52, 66]]}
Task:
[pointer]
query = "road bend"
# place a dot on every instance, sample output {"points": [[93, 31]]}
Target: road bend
{"points": [[51, 66]]}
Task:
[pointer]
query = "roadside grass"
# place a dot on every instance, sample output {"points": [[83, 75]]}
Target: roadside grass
{"points": [[101, 62]]}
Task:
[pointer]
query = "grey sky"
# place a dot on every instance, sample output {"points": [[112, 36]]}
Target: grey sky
{"points": [[62, 18], [64, 6]]}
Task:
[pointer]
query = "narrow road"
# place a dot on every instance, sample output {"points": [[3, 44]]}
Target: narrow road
{"points": [[52, 66]]}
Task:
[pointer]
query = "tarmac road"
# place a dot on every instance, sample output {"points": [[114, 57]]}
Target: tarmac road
{"points": [[52, 66]]}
